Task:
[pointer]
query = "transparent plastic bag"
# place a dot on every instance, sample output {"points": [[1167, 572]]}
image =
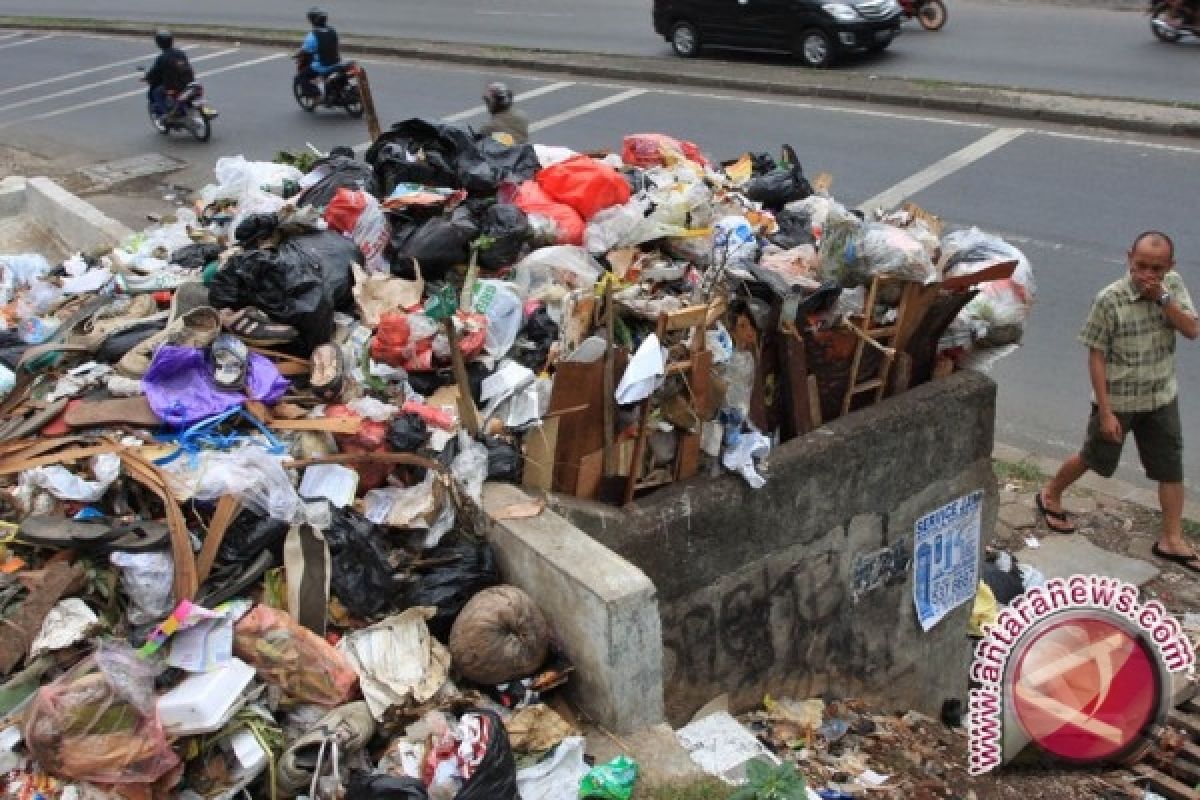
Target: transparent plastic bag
{"points": [[98, 723], [470, 466], [249, 472], [235, 176], [24, 267], [888, 250], [292, 657], [504, 310], [998, 313], [560, 265]]}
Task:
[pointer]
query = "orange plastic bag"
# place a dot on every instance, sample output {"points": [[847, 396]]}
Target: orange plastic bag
{"points": [[98, 722], [290, 656], [585, 184], [568, 225], [657, 150]]}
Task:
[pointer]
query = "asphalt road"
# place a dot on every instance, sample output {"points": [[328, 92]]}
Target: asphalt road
{"points": [[1070, 200], [1090, 51]]}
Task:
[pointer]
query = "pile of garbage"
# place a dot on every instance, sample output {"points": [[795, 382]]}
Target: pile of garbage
{"points": [[238, 452]]}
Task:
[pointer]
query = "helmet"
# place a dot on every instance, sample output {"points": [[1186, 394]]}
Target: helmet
{"points": [[317, 16], [498, 97], [163, 39]]}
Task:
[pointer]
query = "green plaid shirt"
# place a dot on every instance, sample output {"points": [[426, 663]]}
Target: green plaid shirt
{"points": [[1138, 343]]}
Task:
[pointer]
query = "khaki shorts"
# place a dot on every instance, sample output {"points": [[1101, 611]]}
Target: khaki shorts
{"points": [[1159, 439]]}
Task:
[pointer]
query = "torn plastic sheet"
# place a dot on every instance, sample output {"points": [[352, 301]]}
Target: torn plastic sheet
{"points": [[644, 373], [68, 622], [66, 485], [397, 660]]}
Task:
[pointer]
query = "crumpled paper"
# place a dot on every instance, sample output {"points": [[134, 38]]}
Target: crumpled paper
{"points": [[397, 660], [68, 622], [375, 293]]}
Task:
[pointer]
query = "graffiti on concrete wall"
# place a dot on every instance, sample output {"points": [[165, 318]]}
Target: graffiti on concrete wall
{"points": [[780, 618]]}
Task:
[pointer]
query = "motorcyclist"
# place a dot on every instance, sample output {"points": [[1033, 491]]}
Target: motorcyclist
{"points": [[321, 45], [1183, 13], [505, 120], [171, 72]]}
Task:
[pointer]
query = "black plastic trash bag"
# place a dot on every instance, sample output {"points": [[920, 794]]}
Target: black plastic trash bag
{"points": [[195, 256], [515, 164], [340, 172], [437, 244], [429, 153], [535, 340], [780, 184], [361, 577], [496, 776], [463, 568], [506, 230], [332, 254], [407, 433], [249, 534], [255, 227], [504, 460], [291, 291], [369, 786], [795, 229]]}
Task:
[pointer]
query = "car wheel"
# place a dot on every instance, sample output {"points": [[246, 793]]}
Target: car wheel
{"points": [[685, 39], [815, 48]]}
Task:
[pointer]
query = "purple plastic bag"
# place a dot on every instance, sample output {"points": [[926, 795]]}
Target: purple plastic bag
{"points": [[181, 392]]}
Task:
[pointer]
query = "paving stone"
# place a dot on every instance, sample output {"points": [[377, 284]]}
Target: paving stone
{"points": [[1017, 516], [1063, 556], [1075, 503]]}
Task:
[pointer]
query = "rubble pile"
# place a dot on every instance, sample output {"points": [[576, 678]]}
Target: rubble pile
{"points": [[239, 452]]}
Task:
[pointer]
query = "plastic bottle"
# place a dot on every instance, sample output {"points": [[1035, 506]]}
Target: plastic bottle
{"points": [[36, 330]]}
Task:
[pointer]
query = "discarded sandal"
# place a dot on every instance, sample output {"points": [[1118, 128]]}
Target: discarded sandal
{"points": [[255, 328], [230, 580], [328, 372], [230, 358], [1057, 521], [72, 534], [347, 727], [1189, 561]]}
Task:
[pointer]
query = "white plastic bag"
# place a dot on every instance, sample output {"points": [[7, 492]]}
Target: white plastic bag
{"points": [[235, 176], [504, 311], [470, 466], [66, 485], [557, 776], [147, 579]]}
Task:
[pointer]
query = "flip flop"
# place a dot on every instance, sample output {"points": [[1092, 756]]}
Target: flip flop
{"points": [[1058, 516], [58, 532], [1188, 561], [116, 411]]}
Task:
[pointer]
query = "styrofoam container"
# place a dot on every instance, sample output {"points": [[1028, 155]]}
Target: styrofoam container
{"points": [[205, 701]]}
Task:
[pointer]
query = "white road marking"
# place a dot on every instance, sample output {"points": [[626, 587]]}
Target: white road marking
{"points": [[586, 108], [27, 41], [520, 13], [78, 73], [13, 35], [113, 98], [87, 86], [947, 166], [476, 110]]}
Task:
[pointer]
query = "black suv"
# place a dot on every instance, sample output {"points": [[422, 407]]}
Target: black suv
{"points": [[814, 30]]}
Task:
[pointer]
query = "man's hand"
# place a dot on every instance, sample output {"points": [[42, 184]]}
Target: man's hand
{"points": [[1110, 426], [1152, 290]]}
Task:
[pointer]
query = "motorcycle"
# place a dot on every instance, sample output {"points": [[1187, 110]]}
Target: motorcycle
{"points": [[1166, 31], [930, 13], [337, 88], [186, 111]]}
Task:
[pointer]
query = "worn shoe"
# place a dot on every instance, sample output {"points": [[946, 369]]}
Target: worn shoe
{"points": [[196, 328], [349, 727]]}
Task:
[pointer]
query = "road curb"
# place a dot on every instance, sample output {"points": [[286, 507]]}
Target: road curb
{"points": [[1129, 115]]}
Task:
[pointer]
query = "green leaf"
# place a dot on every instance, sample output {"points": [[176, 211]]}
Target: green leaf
{"points": [[744, 793], [758, 772]]}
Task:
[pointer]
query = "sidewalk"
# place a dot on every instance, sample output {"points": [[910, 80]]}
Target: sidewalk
{"points": [[785, 80], [1117, 490]]}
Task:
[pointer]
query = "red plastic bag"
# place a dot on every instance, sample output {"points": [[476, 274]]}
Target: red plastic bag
{"points": [[344, 209], [585, 184], [356, 214], [568, 225], [371, 438], [397, 343], [657, 149]]}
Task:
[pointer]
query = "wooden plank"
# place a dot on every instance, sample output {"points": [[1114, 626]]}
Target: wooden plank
{"points": [[610, 380], [685, 318], [796, 417], [687, 460], [1166, 786], [996, 272], [467, 414], [1184, 721], [538, 472], [814, 402], [227, 509]]}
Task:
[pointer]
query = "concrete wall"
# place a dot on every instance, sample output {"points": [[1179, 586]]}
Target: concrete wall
{"points": [[74, 223], [764, 591], [604, 609]]}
